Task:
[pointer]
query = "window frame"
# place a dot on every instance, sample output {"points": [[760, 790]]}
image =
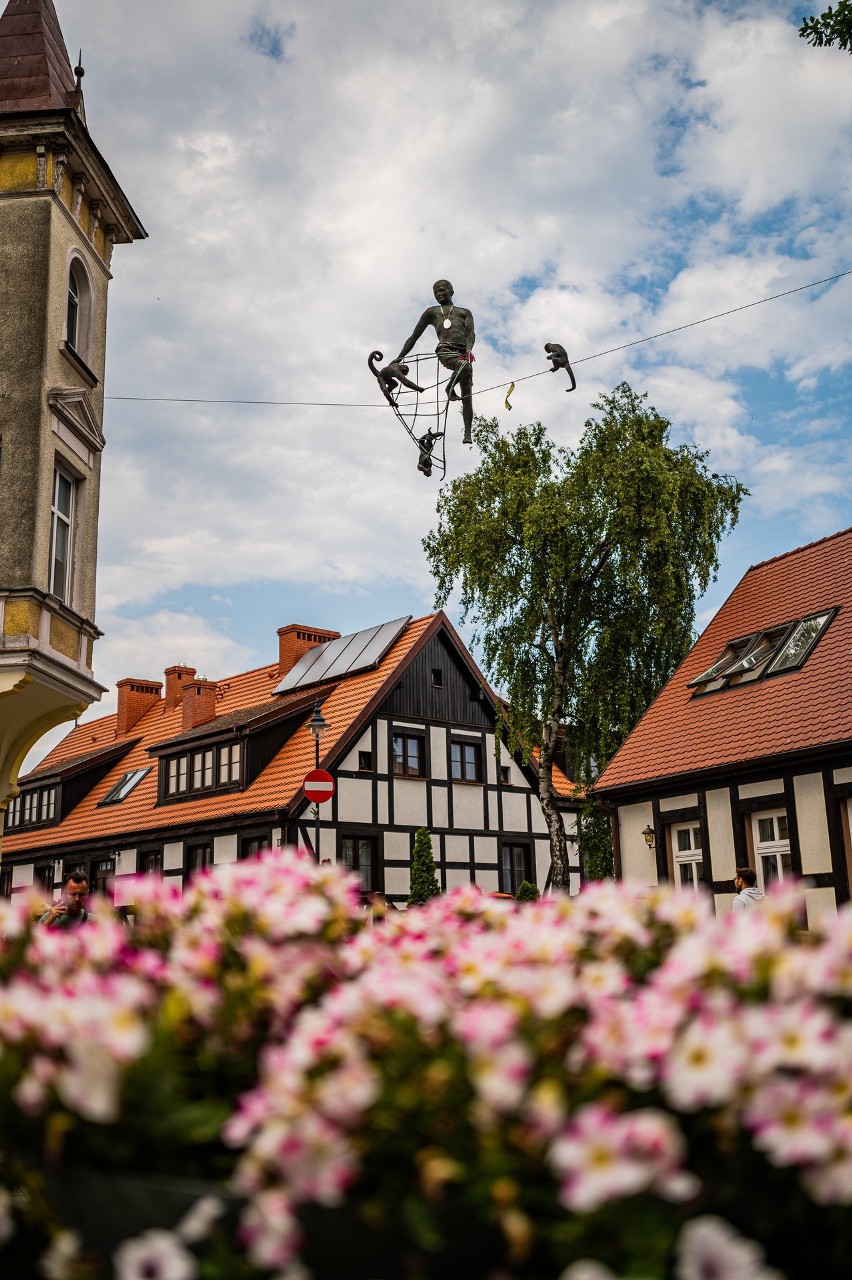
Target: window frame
{"points": [[464, 776], [67, 520], [78, 338], [7, 877], [692, 856], [191, 848], [355, 866], [178, 771], [365, 762], [263, 840], [400, 768], [26, 810], [508, 874], [777, 849], [113, 797], [723, 674]]}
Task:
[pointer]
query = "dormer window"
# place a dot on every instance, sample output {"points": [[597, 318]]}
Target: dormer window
{"points": [[201, 771], [764, 653], [32, 809]]}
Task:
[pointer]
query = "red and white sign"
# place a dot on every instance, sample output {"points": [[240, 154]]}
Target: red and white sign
{"points": [[318, 786]]}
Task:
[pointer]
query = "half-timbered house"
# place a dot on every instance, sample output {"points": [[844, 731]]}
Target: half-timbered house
{"points": [[745, 758], [190, 772]]}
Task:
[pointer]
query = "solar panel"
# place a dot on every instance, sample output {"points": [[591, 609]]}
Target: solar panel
{"points": [[344, 656]]}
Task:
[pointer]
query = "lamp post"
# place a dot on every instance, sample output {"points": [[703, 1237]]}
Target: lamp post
{"points": [[317, 726]]}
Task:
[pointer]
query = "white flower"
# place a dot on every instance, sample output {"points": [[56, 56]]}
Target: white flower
{"points": [[155, 1255], [710, 1249], [197, 1224], [586, 1269], [57, 1263]]}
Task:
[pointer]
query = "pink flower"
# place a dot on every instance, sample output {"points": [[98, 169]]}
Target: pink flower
{"points": [[603, 1156], [156, 1255]]}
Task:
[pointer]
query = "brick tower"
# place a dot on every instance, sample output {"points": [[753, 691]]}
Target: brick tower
{"points": [[61, 213]]}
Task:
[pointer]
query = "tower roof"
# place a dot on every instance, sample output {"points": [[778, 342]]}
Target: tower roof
{"points": [[35, 71]]}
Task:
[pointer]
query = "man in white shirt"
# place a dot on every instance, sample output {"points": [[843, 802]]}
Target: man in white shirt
{"points": [[748, 894]]}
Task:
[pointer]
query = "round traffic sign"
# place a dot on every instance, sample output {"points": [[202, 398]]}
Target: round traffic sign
{"points": [[318, 786]]}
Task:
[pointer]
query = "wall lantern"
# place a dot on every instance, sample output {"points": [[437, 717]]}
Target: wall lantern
{"points": [[650, 837]]}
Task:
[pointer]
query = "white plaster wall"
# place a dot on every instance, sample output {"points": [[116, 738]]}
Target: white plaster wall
{"points": [[467, 806], [490, 762], [397, 880], [637, 860], [813, 824], [723, 902], [440, 808], [678, 802], [23, 875], [457, 848], [328, 843], [275, 838], [397, 844], [172, 857], [514, 812], [364, 743], [541, 854], [354, 800], [382, 746], [486, 849], [842, 775], [225, 848], [493, 811], [125, 862], [488, 881], [122, 892], [438, 746], [820, 906], [538, 822], [748, 790], [382, 803], [720, 831], [574, 885], [456, 878], [409, 802]]}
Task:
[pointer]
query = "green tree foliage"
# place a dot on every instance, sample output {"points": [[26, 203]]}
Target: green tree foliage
{"points": [[832, 27], [579, 569], [424, 882], [527, 892]]}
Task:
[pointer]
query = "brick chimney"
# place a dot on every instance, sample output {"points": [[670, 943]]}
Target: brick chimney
{"points": [[176, 678], [135, 697], [199, 702], [295, 641]]}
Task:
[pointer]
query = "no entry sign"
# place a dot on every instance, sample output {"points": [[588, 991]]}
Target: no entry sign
{"points": [[318, 786]]}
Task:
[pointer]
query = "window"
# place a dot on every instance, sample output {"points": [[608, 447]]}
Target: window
{"points": [[150, 862], [358, 854], [32, 809], [466, 761], [198, 857], [515, 867], [61, 523], [45, 874], [178, 773], [78, 309], [365, 761], [124, 786], [202, 770], [770, 652], [408, 753], [505, 775], [103, 874], [229, 764], [5, 882], [771, 836], [437, 678], [687, 855], [251, 846], [794, 650]]}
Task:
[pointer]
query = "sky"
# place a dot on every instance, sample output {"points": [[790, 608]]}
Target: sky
{"points": [[587, 174]]}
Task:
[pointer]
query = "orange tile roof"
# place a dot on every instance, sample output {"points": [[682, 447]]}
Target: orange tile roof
{"points": [[787, 714], [344, 705]]}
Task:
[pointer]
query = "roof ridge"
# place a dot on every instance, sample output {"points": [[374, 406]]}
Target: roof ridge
{"points": [[794, 551]]}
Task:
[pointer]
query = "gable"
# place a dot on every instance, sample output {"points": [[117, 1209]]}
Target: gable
{"points": [[460, 698]]}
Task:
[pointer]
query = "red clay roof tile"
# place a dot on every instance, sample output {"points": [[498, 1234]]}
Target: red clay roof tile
{"points": [[795, 712]]}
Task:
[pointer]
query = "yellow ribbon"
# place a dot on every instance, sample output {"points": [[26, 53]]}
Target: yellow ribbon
{"points": [[508, 393]]}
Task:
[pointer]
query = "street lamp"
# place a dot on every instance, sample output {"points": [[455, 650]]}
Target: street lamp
{"points": [[317, 726]]}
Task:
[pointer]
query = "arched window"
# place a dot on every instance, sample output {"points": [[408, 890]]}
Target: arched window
{"points": [[78, 310]]}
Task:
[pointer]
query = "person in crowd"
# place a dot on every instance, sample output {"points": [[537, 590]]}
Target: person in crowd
{"points": [[748, 894], [70, 911]]}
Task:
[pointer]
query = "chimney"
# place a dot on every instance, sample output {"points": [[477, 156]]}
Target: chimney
{"points": [[199, 702], [176, 678], [135, 697], [295, 641]]}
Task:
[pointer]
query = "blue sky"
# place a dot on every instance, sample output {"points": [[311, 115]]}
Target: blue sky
{"points": [[587, 174]]}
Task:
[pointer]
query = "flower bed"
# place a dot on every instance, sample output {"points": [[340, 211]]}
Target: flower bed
{"points": [[470, 1087]]}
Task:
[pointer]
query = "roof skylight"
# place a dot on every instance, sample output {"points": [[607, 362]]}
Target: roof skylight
{"points": [[771, 652], [124, 786]]}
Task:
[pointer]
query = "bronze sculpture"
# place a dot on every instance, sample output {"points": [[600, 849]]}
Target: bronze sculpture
{"points": [[454, 327]]}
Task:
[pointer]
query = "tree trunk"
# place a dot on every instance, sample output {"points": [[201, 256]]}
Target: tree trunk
{"points": [[546, 794]]}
